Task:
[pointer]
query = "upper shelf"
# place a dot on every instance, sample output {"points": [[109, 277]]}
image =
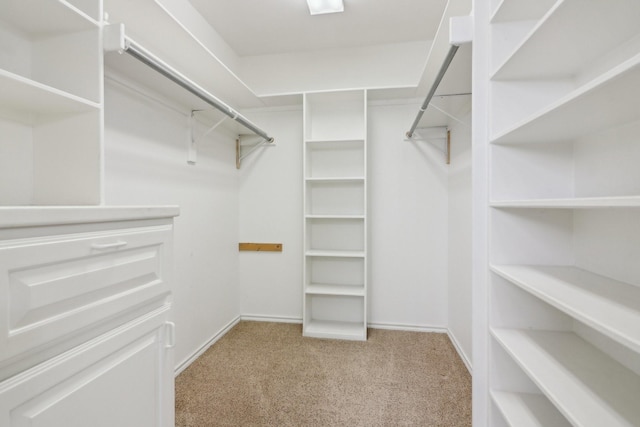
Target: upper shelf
{"points": [[26, 97], [611, 99], [154, 28], [520, 10], [542, 54], [37, 17]]}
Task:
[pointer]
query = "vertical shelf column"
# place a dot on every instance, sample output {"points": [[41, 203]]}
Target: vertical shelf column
{"points": [[335, 215], [560, 343]]}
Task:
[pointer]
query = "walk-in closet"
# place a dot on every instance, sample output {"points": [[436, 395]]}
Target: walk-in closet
{"points": [[319, 212]]}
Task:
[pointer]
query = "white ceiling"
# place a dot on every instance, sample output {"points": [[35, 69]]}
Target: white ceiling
{"points": [[263, 27]]}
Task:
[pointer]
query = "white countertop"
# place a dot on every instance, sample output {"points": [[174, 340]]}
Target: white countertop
{"points": [[25, 216]]}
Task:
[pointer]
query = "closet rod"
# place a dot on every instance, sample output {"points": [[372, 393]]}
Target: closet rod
{"points": [[149, 59], [443, 70]]}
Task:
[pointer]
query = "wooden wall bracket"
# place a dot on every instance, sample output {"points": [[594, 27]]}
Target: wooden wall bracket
{"points": [[260, 247]]}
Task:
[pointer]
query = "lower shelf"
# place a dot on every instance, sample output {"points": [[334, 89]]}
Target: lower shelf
{"points": [[355, 331], [585, 384], [346, 290], [528, 410]]}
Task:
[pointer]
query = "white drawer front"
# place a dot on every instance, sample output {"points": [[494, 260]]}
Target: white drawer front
{"points": [[52, 287]]}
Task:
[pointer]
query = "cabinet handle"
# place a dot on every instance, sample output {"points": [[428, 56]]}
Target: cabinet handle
{"points": [[171, 335], [103, 246]]}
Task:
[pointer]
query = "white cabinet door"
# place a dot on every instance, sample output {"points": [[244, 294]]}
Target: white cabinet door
{"points": [[123, 378]]}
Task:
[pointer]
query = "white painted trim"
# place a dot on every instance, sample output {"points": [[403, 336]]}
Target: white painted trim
{"points": [[267, 318], [461, 353], [404, 327], [189, 360]]}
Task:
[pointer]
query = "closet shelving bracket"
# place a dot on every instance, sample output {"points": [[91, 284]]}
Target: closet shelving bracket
{"points": [[193, 139], [435, 134], [115, 40], [247, 144]]}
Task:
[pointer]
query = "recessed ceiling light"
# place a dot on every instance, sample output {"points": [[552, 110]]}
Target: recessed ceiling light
{"points": [[317, 7]]}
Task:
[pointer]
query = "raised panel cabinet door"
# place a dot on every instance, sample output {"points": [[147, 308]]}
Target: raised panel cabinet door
{"points": [[122, 378]]}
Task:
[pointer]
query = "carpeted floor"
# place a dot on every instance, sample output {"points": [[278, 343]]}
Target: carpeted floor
{"points": [[267, 374]]}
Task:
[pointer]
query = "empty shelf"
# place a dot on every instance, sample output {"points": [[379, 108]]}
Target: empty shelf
{"points": [[338, 330], [610, 100], [528, 410], [336, 254], [26, 96], [585, 384], [342, 290], [571, 203], [337, 179], [520, 10], [334, 216], [607, 305], [583, 40]]}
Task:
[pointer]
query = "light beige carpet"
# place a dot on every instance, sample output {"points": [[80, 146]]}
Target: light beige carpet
{"points": [[267, 374]]}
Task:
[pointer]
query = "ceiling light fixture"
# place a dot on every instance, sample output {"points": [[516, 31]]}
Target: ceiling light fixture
{"points": [[317, 7]]}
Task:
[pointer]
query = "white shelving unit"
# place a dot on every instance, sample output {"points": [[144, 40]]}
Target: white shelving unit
{"points": [[561, 338], [335, 215], [51, 104]]}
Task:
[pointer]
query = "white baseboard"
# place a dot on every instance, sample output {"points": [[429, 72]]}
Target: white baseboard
{"points": [[266, 318], [189, 360], [461, 353], [405, 327]]}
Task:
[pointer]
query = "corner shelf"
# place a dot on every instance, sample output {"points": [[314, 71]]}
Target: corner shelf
{"points": [[561, 364]]}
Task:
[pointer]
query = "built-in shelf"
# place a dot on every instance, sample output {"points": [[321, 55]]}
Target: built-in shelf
{"points": [[330, 141], [334, 216], [568, 55], [528, 410], [39, 17], [588, 386], [520, 10], [335, 329], [325, 289], [336, 179], [609, 100], [572, 203], [24, 96], [607, 305], [335, 254]]}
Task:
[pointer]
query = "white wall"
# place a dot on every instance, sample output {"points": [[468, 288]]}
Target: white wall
{"points": [[459, 233], [145, 163], [408, 222], [270, 202]]}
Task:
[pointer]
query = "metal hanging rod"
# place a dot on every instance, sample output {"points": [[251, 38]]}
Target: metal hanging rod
{"points": [[443, 70], [158, 65]]}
